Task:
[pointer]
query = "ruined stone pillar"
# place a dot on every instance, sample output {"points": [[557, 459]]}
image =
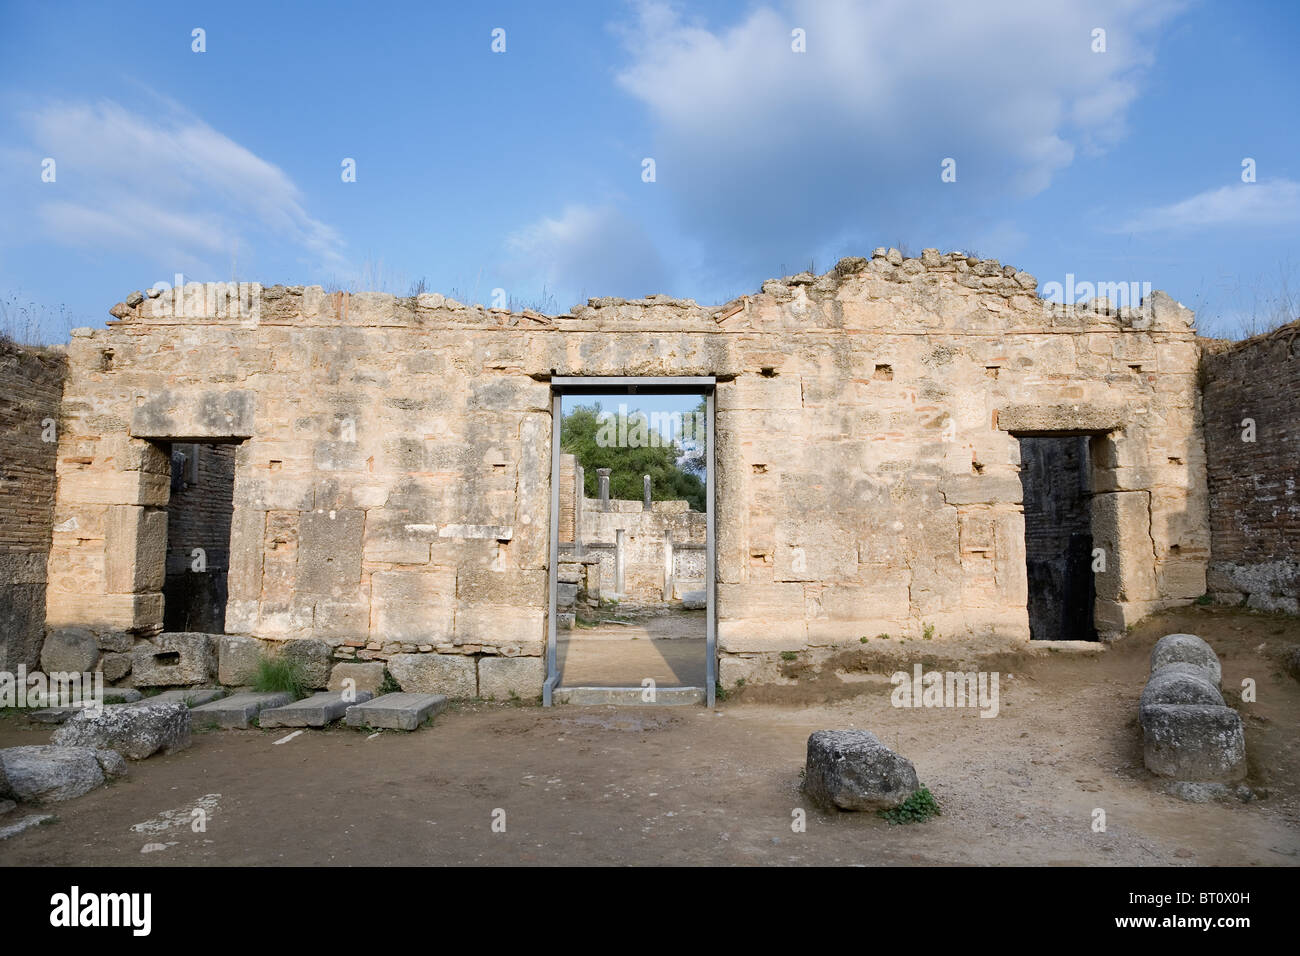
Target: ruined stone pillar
{"points": [[646, 503], [602, 479]]}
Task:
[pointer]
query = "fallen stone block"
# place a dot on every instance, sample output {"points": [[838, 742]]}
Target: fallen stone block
{"points": [[190, 696], [47, 773], [1198, 742], [174, 659], [852, 770], [1181, 683], [314, 711], [1186, 649], [133, 730], [395, 711], [237, 711]]}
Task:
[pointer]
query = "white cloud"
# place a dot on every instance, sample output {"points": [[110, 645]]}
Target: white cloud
{"points": [[170, 187], [783, 152], [1272, 203], [587, 251]]}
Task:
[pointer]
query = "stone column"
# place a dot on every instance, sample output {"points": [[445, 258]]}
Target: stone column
{"points": [[602, 479], [646, 503]]}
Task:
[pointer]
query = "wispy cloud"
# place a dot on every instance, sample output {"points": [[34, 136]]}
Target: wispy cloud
{"points": [[169, 187], [775, 152], [1272, 203]]}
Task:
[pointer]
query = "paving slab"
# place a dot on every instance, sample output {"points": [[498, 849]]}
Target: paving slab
{"points": [[629, 696], [190, 696], [237, 711], [395, 711], [314, 711]]}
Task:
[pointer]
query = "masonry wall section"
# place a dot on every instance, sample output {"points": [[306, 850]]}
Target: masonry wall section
{"points": [[392, 496], [1252, 434], [31, 388]]}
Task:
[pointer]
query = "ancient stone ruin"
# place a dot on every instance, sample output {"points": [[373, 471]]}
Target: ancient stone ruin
{"points": [[903, 445]]}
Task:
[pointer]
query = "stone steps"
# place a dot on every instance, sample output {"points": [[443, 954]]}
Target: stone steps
{"points": [[395, 711], [628, 696], [318, 710], [237, 711]]}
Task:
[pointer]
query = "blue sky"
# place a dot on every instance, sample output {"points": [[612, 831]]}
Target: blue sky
{"points": [[523, 170]]}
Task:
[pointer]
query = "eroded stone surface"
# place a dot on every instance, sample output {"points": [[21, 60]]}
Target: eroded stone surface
{"points": [[852, 770]]}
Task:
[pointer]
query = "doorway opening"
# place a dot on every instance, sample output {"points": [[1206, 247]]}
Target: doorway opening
{"points": [[632, 553], [199, 513], [1055, 475]]}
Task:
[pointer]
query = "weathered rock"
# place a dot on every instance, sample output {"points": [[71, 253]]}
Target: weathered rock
{"points": [[238, 659], [452, 674], [1197, 742], [174, 659], [1181, 683], [26, 823], [45, 774], [71, 650], [367, 677], [115, 666], [852, 770], [316, 658], [1187, 649], [395, 711], [133, 730]]}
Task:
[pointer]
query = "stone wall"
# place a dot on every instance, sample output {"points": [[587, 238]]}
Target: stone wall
{"points": [[392, 489], [1252, 435], [31, 387], [642, 547]]}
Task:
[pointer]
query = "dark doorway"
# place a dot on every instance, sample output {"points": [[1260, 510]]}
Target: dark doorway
{"points": [[1054, 473], [198, 537]]}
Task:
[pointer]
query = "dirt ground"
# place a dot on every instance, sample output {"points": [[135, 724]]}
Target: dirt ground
{"points": [[688, 785]]}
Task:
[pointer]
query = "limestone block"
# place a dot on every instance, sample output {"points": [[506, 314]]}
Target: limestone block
{"points": [[368, 676], [238, 659], [1187, 649], [501, 626], [195, 415], [502, 678], [174, 659], [413, 605], [329, 556], [315, 660], [135, 548], [454, 675], [1121, 526], [1199, 742]]}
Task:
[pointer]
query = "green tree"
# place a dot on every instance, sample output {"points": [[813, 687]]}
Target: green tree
{"points": [[629, 448]]}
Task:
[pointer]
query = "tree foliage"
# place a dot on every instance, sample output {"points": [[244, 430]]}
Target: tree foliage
{"points": [[585, 435]]}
